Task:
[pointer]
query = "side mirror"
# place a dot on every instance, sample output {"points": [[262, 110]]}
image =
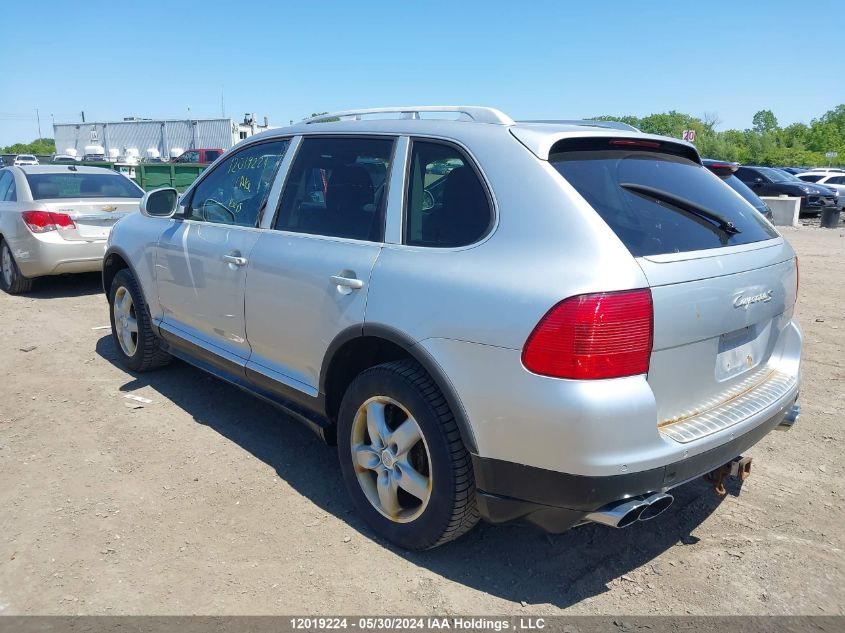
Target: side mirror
{"points": [[160, 203], [758, 182]]}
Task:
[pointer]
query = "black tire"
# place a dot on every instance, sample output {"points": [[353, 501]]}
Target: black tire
{"points": [[451, 509], [148, 353], [17, 283]]}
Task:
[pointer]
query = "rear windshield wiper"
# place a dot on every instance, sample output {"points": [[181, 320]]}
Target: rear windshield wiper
{"points": [[682, 203]]}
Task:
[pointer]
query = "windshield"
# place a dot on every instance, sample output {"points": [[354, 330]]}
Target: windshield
{"points": [[26, 157], [775, 175], [660, 203], [789, 176], [81, 185]]}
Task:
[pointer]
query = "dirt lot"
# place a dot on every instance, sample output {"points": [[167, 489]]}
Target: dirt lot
{"points": [[208, 501]]}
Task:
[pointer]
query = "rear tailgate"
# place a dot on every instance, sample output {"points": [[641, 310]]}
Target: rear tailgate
{"points": [[93, 219], [720, 335], [723, 281]]}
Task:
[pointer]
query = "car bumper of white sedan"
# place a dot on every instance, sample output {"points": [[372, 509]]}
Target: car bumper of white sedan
{"points": [[51, 254]]}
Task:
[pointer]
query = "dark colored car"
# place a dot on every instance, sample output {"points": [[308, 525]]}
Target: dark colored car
{"points": [[725, 171], [199, 156], [767, 181], [794, 170]]}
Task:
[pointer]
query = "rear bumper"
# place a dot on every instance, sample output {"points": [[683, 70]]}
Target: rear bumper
{"points": [[557, 501], [50, 254], [599, 428]]}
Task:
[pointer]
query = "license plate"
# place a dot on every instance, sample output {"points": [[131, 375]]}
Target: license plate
{"points": [[741, 350]]}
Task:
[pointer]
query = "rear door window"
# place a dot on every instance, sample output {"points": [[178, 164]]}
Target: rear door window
{"points": [[336, 187], [12, 193], [658, 202], [746, 174], [6, 180]]}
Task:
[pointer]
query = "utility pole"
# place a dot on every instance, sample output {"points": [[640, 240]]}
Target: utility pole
{"points": [[83, 116], [38, 116]]}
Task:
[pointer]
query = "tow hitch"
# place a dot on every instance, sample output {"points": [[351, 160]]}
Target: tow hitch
{"points": [[738, 467]]}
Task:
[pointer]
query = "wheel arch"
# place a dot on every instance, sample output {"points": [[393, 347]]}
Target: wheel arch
{"points": [[363, 346], [114, 261]]}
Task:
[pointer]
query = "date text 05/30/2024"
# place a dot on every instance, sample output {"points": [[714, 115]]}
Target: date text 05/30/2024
{"points": [[418, 623]]}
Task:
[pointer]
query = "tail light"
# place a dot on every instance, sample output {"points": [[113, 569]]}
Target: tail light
{"points": [[44, 221], [588, 337]]}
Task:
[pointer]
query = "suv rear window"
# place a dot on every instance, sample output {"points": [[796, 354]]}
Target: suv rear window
{"points": [[660, 203], [81, 185]]}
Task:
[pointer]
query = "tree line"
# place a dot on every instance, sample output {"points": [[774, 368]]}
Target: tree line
{"points": [[41, 146], [764, 143]]}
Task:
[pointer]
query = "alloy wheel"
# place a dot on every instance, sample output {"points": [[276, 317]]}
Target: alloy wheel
{"points": [[391, 459], [7, 265], [125, 321]]}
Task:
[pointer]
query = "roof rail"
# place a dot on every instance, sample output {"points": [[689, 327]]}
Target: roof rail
{"points": [[479, 114]]}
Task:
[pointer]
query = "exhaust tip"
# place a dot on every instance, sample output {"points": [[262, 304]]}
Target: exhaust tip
{"points": [[657, 504], [632, 516], [619, 514]]}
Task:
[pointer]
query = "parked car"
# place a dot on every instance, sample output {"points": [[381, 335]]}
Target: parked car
{"points": [[768, 181], [831, 179], [25, 159], [65, 158], [55, 219], [825, 170], [564, 352], [726, 171], [831, 190], [2, 162], [199, 156]]}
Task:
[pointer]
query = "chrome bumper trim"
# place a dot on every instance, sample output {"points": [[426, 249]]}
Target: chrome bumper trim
{"points": [[745, 399]]}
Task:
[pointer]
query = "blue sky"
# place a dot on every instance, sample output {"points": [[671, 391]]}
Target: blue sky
{"points": [[531, 59]]}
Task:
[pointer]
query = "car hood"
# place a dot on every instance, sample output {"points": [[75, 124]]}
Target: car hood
{"points": [[809, 187]]}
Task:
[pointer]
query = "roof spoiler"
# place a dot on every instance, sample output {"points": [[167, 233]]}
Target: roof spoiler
{"points": [[614, 125]]}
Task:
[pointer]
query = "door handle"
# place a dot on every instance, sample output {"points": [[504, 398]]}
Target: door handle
{"points": [[237, 260], [347, 282]]}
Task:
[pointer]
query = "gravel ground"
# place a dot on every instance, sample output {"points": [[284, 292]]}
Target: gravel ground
{"points": [[208, 501]]}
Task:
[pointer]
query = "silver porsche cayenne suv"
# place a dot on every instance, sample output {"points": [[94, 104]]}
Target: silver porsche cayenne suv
{"points": [[550, 322]]}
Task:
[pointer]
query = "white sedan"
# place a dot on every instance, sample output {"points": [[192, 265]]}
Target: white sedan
{"points": [[56, 219]]}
